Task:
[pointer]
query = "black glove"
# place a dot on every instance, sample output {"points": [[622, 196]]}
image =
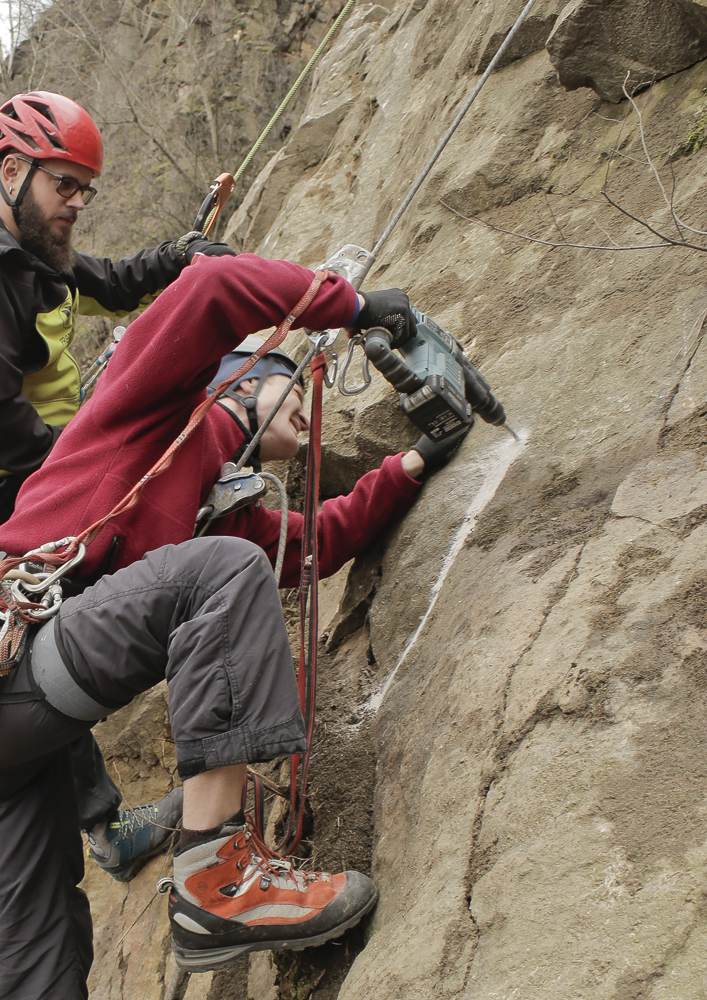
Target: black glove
{"points": [[208, 248], [389, 308], [435, 454]]}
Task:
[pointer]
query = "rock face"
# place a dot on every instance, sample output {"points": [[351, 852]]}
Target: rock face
{"points": [[537, 811], [596, 43], [513, 683]]}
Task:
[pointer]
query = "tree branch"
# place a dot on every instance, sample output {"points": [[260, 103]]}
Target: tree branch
{"points": [[547, 243], [652, 166]]}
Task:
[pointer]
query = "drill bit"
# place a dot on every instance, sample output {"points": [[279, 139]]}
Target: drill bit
{"points": [[512, 433]]}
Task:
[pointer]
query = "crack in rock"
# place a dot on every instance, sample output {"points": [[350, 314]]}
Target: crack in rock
{"points": [[676, 389], [504, 746]]}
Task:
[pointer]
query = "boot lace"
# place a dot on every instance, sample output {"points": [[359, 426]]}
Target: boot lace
{"points": [[273, 865]]}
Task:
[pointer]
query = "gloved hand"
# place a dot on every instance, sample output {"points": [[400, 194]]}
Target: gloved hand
{"points": [[208, 248], [389, 308], [435, 454]]}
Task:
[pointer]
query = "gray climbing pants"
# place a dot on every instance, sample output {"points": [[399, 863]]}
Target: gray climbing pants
{"points": [[204, 614]]}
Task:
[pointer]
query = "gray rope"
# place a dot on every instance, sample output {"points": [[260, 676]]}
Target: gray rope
{"points": [[178, 986], [450, 131], [284, 513]]}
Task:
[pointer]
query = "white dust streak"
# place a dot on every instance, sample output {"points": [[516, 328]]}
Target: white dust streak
{"points": [[496, 464]]}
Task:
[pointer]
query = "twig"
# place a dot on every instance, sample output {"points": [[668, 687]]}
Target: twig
{"points": [[679, 223], [617, 152], [271, 786], [557, 224], [652, 166], [547, 243], [601, 229], [642, 222], [142, 912], [608, 162], [316, 983]]}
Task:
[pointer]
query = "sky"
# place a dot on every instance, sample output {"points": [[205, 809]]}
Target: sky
{"points": [[7, 9]]}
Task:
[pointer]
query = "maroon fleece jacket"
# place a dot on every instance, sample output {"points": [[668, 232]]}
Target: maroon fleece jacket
{"points": [[157, 375]]}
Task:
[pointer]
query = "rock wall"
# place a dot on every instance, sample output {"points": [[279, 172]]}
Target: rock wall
{"points": [[538, 808], [512, 701]]}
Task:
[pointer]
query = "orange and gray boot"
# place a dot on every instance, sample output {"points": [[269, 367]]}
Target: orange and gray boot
{"points": [[232, 895]]}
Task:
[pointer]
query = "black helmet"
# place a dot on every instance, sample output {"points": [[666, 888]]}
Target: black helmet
{"points": [[275, 362]]}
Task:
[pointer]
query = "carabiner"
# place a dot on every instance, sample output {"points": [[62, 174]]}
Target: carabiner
{"points": [[32, 588], [331, 382], [321, 341], [355, 341]]}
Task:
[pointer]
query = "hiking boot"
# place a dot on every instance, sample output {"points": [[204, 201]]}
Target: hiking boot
{"points": [[233, 895], [133, 836]]}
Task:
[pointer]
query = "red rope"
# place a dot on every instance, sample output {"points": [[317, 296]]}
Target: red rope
{"points": [[309, 612]]}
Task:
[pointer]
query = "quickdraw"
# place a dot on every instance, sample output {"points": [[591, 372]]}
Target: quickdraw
{"points": [[34, 574]]}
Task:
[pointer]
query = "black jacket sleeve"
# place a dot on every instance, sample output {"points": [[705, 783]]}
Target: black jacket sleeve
{"points": [[116, 288], [25, 440]]}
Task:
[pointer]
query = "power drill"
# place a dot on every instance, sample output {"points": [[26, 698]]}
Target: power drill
{"points": [[440, 390]]}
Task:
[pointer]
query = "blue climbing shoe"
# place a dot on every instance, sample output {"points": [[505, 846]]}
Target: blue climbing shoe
{"points": [[122, 844]]}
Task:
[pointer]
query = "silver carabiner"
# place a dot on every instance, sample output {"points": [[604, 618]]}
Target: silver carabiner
{"points": [[36, 588], [321, 341], [355, 341], [331, 382]]}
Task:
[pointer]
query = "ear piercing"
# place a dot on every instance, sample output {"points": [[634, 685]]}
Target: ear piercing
{"points": [[11, 189]]}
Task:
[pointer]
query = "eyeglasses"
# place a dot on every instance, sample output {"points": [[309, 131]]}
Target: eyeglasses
{"points": [[67, 186]]}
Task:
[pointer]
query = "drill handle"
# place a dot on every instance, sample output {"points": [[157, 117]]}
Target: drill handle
{"points": [[388, 363], [478, 393]]}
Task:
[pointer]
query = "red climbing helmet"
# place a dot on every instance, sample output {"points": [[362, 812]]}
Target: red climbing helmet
{"points": [[47, 126]]}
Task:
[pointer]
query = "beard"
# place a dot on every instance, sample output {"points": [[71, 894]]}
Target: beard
{"points": [[53, 249]]}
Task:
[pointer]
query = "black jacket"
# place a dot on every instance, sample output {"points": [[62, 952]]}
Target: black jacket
{"points": [[39, 378]]}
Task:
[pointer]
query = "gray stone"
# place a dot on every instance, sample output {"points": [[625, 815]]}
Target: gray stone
{"points": [[596, 43], [497, 19]]}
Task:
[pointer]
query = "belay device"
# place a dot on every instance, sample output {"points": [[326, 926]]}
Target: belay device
{"points": [[440, 389]]}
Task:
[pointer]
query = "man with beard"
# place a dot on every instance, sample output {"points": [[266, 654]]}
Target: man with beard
{"points": [[51, 150]]}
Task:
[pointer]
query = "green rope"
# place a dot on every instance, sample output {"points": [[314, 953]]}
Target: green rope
{"points": [[288, 97], [294, 88]]}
